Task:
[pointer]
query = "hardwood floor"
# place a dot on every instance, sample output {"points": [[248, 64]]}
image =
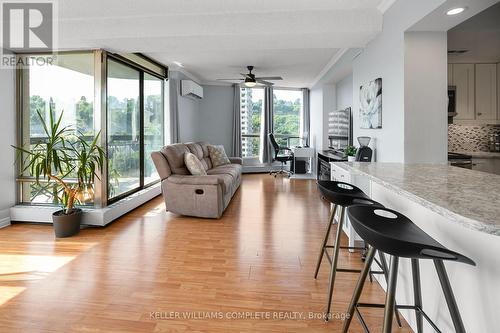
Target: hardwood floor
{"points": [[259, 257]]}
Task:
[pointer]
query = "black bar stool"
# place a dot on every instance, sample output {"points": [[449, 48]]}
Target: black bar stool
{"points": [[393, 233], [343, 195]]}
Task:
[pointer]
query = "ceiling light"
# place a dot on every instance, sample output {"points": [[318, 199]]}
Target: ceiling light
{"points": [[250, 84], [455, 11], [178, 64]]}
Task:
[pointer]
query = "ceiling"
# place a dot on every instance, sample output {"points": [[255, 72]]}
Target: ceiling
{"points": [[213, 39], [480, 35]]}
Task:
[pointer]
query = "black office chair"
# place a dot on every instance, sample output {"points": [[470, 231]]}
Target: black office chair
{"points": [[283, 158]]}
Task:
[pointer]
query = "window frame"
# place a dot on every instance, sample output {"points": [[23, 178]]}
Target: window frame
{"points": [[142, 70], [100, 116]]}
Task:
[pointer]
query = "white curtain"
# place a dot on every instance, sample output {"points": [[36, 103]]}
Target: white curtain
{"points": [[306, 117]]}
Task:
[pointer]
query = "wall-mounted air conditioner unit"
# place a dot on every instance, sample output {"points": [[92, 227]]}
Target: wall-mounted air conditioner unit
{"points": [[191, 89]]}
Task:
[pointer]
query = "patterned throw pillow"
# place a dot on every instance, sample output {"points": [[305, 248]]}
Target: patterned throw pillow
{"points": [[194, 165], [218, 155]]}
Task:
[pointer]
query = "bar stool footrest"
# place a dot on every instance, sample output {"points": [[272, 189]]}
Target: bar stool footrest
{"points": [[398, 306]]}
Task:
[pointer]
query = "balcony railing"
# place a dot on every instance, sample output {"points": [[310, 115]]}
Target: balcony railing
{"points": [[251, 142]]}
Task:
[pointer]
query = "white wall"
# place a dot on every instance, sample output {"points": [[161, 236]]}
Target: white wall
{"points": [[322, 100], [384, 57], [425, 97], [316, 110], [216, 116], [208, 119], [344, 92], [189, 111], [7, 138]]}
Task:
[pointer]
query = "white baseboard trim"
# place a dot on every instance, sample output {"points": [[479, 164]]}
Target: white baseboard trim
{"points": [[92, 216], [5, 222]]}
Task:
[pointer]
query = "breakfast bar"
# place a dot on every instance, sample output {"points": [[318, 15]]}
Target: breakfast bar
{"points": [[458, 207]]}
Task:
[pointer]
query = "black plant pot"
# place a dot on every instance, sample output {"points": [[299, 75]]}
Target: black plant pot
{"points": [[67, 225]]}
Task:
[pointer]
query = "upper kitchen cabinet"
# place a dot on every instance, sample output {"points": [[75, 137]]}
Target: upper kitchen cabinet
{"points": [[486, 92], [463, 79], [477, 93]]}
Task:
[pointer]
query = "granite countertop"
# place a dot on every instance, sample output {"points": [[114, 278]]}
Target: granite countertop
{"points": [[479, 154], [467, 197]]}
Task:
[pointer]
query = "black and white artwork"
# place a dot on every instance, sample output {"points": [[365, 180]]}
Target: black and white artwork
{"points": [[370, 104]]}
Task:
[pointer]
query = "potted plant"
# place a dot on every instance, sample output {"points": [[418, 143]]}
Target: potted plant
{"points": [[64, 155], [350, 152]]}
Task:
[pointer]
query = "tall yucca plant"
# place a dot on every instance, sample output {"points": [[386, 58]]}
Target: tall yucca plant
{"points": [[61, 156]]}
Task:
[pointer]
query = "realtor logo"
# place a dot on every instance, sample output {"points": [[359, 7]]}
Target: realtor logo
{"points": [[28, 26]]}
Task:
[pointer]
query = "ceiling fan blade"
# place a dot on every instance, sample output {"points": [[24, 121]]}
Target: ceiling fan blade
{"points": [[270, 78], [267, 83], [238, 79], [245, 75]]}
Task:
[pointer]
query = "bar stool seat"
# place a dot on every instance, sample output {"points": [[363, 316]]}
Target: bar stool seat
{"points": [[343, 195], [340, 193], [393, 233]]}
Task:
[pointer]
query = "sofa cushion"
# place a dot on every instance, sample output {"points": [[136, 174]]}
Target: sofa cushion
{"points": [[230, 169], [193, 164], [200, 150], [206, 154], [227, 182], [218, 155], [175, 157]]}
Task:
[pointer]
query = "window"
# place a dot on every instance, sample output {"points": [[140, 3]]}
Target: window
{"points": [[287, 115], [287, 108], [132, 120], [124, 160], [251, 103], [66, 86]]}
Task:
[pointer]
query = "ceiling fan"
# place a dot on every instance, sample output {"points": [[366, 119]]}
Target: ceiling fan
{"points": [[250, 80]]}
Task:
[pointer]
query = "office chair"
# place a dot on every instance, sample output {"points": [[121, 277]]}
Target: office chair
{"points": [[283, 158]]}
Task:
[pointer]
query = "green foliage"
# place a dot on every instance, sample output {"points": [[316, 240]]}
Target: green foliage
{"points": [[350, 151], [85, 116], [61, 156]]}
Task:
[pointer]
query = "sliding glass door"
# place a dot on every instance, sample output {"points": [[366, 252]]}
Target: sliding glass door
{"points": [[154, 124], [136, 126], [124, 129]]}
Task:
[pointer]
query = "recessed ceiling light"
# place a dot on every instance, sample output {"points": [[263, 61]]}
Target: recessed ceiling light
{"points": [[455, 11], [178, 63]]}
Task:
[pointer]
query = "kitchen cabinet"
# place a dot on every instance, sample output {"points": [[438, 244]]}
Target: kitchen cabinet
{"points": [[486, 91], [477, 93], [463, 79], [490, 165]]}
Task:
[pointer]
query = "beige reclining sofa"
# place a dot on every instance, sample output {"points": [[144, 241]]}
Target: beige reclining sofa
{"points": [[201, 196]]}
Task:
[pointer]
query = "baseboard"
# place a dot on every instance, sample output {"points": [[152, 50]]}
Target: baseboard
{"points": [[92, 216], [5, 222]]}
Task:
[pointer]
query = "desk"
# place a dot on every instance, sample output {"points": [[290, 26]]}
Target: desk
{"points": [[303, 152]]}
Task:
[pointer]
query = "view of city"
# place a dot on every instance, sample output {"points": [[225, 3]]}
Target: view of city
{"points": [[287, 110]]}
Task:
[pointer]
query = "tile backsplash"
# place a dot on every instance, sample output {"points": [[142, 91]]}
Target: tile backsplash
{"points": [[470, 138]]}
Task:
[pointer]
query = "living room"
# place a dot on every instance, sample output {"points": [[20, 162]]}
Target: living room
{"points": [[214, 166]]}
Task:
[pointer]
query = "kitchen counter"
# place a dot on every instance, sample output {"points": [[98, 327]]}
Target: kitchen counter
{"points": [[465, 197], [460, 208]]}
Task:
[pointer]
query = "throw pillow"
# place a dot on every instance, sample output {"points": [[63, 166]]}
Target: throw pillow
{"points": [[218, 155], [193, 164]]}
